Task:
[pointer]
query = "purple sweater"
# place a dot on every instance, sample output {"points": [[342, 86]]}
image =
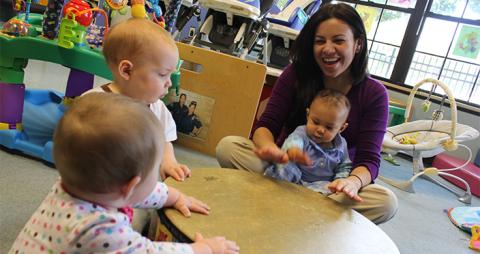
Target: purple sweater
{"points": [[367, 120]]}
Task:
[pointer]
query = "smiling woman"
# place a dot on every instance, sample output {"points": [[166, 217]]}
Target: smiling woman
{"points": [[330, 53], [333, 46]]}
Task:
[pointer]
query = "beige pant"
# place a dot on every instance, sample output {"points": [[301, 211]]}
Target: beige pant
{"points": [[379, 203]]}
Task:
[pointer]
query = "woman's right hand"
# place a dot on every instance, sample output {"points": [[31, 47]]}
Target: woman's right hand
{"points": [[265, 147], [297, 155], [272, 154], [215, 245]]}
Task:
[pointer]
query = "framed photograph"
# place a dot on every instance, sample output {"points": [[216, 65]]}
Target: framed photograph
{"points": [[191, 112]]}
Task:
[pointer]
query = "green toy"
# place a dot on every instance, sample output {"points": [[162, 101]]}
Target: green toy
{"points": [[70, 33]]}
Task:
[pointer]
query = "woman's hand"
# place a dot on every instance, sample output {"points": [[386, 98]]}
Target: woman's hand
{"points": [[272, 154], [297, 155], [350, 186], [185, 204]]}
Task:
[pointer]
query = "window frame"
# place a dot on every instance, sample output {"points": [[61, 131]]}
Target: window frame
{"points": [[407, 49]]}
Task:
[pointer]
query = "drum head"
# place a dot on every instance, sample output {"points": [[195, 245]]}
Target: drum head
{"points": [[267, 216]]}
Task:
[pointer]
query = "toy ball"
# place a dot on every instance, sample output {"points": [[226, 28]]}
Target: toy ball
{"points": [[15, 27], [76, 6]]}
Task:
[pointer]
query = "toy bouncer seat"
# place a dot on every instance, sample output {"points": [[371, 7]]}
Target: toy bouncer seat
{"points": [[429, 136], [286, 19], [426, 138], [230, 25]]}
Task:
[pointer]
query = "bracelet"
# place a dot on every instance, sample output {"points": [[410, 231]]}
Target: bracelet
{"points": [[360, 179]]}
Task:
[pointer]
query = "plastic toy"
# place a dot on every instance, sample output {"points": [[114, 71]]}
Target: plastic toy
{"points": [[19, 5], [28, 118], [52, 19], [464, 217], [16, 27], [409, 139], [76, 7], [475, 240], [468, 220], [153, 7], [389, 158], [28, 126], [77, 16], [138, 9], [431, 138], [116, 4]]}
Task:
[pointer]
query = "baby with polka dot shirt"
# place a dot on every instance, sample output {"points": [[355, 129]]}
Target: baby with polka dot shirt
{"points": [[108, 160]]}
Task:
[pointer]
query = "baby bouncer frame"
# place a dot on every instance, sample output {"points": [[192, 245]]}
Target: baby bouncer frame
{"points": [[438, 135]]}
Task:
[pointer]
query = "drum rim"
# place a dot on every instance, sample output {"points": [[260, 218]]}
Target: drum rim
{"points": [[177, 234]]}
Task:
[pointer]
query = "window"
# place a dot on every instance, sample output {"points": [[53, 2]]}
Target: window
{"points": [[410, 40]]}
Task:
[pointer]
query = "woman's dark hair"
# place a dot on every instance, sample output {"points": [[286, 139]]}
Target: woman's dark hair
{"points": [[309, 75]]}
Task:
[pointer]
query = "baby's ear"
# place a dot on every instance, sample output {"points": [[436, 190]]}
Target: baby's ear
{"points": [[345, 125], [129, 187], [125, 69]]}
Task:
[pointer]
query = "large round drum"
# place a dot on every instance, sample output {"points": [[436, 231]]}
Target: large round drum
{"points": [[267, 216]]}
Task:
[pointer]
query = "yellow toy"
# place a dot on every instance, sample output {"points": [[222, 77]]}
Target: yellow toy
{"points": [[409, 140], [138, 9], [475, 240]]}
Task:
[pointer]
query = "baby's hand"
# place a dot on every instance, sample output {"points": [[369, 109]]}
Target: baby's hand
{"points": [[215, 245], [178, 171], [185, 204], [297, 155], [272, 154]]}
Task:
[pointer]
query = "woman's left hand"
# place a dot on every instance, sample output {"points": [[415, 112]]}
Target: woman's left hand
{"points": [[350, 186], [185, 204]]}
